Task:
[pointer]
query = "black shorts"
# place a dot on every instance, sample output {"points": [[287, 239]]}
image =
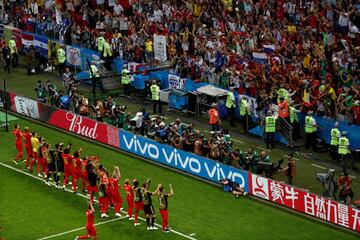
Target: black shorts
{"points": [[149, 210], [52, 167], [59, 166]]}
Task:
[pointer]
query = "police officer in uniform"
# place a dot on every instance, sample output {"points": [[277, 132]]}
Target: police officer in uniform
{"points": [[244, 112], [107, 55], [155, 96], [270, 124], [94, 72], [231, 105], [61, 57], [6, 57], [125, 81], [344, 151], [100, 43], [310, 130], [13, 52], [334, 141]]}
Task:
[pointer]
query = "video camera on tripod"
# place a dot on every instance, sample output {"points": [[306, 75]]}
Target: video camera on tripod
{"points": [[270, 168]]}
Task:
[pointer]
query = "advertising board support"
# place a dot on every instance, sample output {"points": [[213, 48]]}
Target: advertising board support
{"points": [[5, 106]]}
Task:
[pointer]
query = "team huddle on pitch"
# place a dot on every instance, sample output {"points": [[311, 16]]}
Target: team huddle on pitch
{"points": [[58, 162]]}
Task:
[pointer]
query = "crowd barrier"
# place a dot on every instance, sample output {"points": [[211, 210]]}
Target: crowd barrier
{"points": [[264, 188]]}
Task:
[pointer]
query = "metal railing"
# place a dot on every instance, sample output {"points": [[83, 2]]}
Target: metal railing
{"points": [[285, 129]]}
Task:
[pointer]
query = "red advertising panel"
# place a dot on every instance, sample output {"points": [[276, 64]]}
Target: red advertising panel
{"points": [[305, 202], [85, 127]]}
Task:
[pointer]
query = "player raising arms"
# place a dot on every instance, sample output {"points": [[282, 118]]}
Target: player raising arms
{"points": [[129, 198], [91, 231], [114, 191], [103, 200], [18, 143], [92, 179], [27, 140], [139, 204], [77, 170], [148, 207], [163, 205]]}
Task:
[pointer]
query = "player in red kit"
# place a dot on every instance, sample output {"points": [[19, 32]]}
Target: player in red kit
{"points": [[139, 204], [115, 195], [91, 231], [163, 205], [18, 143], [77, 170], [27, 140], [68, 165], [129, 198], [85, 178], [103, 200]]}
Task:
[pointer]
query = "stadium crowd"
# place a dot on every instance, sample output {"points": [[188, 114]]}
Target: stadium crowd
{"points": [[312, 46]]}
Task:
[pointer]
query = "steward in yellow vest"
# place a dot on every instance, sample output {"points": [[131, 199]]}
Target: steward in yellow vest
{"points": [[155, 96], [270, 127], [231, 105], [344, 152]]}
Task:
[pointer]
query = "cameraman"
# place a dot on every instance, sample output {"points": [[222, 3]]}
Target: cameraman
{"points": [[290, 169], [345, 183], [251, 160], [41, 91], [52, 92]]}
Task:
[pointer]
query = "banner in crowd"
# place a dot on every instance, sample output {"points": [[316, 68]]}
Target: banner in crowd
{"points": [[260, 58], [181, 160], [85, 127], [252, 104], [88, 55], [305, 202], [41, 44], [73, 55], [160, 47], [175, 82], [16, 33], [27, 39]]}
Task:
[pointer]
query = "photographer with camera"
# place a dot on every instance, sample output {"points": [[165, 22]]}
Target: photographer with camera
{"points": [[52, 92], [290, 169], [346, 194], [41, 91], [251, 159]]}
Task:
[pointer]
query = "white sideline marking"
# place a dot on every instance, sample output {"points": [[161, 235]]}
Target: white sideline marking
{"points": [[77, 229], [84, 196], [232, 139], [319, 166], [193, 234], [352, 176]]}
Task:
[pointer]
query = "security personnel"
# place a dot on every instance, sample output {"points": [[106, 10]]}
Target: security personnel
{"points": [[61, 57], [244, 112], [125, 81], [155, 96], [107, 55], [94, 70], [334, 141], [294, 121], [100, 43], [214, 118], [310, 130], [13, 51], [231, 105], [270, 125], [344, 151], [6, 56]]}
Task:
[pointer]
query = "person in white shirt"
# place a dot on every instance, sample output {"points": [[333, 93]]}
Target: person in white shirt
{"points": [[158, 14], [118, 9]]}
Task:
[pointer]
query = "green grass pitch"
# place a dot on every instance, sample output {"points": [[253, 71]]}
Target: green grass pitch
{"points": [[31, 210]]}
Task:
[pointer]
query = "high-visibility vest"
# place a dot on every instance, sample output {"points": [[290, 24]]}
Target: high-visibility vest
{"points": [[155, 92], [343, 146], [270, 123], [101, 42], [214, 116], [230, 100], [282, 93], [335, 135], [125, 77], [284, 109], [107, 50], [61, 55], [94, 71], [243, 107], [293, 115], [12, 46], [309, 127]]}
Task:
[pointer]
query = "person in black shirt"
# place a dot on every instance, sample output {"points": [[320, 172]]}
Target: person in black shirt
{"points": [[92, 178], [148, 207], [6, 57]]}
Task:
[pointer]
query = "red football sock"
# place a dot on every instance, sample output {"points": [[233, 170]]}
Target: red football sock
{"points": [[85, 237]]}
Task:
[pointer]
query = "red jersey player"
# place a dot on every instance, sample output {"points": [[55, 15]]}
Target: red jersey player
{"points": [[68, 165], [115, 195], [85, 178], [103, 199], [91, 231], [129, 198], [139, 204], [27, 140], [77, 170], [18, 143], [163, 199]]}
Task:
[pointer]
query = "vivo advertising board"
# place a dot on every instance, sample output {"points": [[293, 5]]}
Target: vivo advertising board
{"points": [[179, 159]]}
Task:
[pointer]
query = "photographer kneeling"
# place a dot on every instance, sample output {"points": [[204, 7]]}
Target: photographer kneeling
{"points": [[230, 186]]}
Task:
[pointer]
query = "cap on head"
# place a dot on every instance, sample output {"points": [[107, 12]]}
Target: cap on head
{"points": [[309, 113], [336, 124], [343, 133]]}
